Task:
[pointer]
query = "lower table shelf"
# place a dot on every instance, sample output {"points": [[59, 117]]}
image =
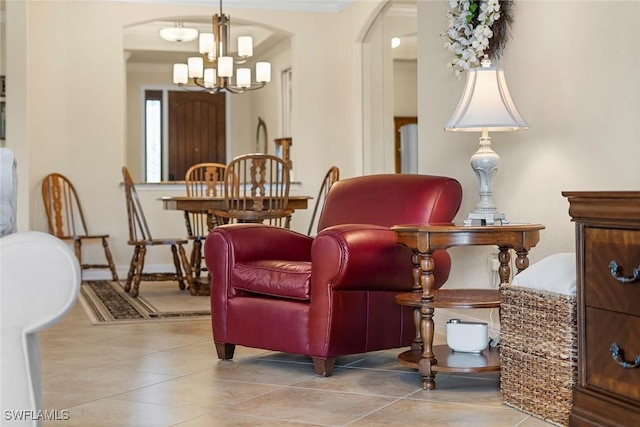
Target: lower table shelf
{"points": [[452, 361]]}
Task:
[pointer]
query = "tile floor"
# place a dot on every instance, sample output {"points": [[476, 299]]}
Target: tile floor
{"points": [[167, 374]]}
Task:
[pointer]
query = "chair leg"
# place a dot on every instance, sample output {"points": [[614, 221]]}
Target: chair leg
{"points": [[188, 273], [323, 367], [225, 350], [107, 254], [196, 257], [77, 247], [138, 271], [132, 268], [176, 263]]}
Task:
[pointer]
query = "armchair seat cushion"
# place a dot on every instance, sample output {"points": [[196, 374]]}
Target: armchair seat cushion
{"points": [[282, 279]]}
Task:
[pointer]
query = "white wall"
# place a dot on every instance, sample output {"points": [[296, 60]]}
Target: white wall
{"points": [[578, 88], [405, 88], [139, 76], [67, 103], [266, 102], [572, 70]]}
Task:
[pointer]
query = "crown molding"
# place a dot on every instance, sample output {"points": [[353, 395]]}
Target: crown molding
{"points": [[326, 6]]}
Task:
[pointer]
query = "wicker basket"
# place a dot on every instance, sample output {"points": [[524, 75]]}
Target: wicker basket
{"points": [[538, 352]]}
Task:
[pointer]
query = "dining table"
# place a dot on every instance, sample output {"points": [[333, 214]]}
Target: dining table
{"points": [[210, 204]]}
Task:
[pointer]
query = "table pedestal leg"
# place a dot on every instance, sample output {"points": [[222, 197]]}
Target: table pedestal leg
{"points": [[504, 271], [428, 358], [416, 345], [522, 260]]}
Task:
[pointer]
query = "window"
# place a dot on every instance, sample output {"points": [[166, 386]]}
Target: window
{"points": [[153, 136]]}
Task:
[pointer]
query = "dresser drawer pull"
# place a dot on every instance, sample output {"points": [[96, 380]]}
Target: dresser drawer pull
{"points": [[618, 356], [613, 267]]}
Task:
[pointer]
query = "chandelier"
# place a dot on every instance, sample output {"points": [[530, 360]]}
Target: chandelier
{"points": [[214, 69]]}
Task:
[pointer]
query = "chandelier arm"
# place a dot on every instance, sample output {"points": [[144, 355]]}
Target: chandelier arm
{"points": [[239, 90], [198, 88]]}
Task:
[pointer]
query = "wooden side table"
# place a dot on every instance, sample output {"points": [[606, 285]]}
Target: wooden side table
{"points": [[423, 240]]}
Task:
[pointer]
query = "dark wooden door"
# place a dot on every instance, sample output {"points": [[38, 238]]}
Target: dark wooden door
{"points": [[196, 131]]}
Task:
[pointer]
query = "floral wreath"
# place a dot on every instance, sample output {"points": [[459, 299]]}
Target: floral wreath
{"points": [[477, 28]]}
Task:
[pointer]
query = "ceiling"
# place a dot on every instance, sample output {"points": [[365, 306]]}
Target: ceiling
{"points": [[144, 46]]}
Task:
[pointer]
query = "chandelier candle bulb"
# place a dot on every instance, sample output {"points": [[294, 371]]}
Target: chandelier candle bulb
{"points": [[244, 77], [225, 66], [209, 77], [263, 72], [180, 74], [245, 46], [206, 43], [195, 64]]}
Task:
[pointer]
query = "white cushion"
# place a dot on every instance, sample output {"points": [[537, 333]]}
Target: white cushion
{"points": [[555, 273]]}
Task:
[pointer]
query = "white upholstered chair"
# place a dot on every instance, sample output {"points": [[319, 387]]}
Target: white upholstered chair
{"points": [[39, 283]]}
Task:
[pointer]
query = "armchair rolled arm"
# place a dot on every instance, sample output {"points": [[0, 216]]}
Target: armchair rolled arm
{"points": [[251, 242], [228, 245]]}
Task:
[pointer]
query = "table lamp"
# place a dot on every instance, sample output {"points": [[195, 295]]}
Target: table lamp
{"points": [[485, 106]]}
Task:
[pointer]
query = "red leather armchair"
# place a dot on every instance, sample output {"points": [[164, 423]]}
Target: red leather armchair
{"points": [[331, 295]]}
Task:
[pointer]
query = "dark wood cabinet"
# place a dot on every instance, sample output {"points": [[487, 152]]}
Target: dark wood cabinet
{"points": [[608, 274]]}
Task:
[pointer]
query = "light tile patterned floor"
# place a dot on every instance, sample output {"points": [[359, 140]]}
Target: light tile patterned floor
{"points": [[167, 374]]}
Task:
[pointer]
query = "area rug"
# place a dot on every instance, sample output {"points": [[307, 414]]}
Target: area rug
{"points": [[106, 302]]}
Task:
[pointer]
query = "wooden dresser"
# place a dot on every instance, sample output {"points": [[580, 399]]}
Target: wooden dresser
{"points": [[608, 274]]}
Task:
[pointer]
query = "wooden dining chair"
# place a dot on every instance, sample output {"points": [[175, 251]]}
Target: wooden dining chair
{"points": [[202, 180], [256, 189], [332, 175], [66, 219], [140, 238]]}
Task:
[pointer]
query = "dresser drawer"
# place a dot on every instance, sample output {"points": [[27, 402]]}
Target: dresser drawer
{"points": [[602, 289], [603, 328]]}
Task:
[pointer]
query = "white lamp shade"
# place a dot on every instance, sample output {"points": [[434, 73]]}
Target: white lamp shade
{"points": [[180, 74], [178, 34], [195, 66], [225, 66], [263, 72], [209, 77], [243, 77], [245, 46], [206, 43], [486, 104]]}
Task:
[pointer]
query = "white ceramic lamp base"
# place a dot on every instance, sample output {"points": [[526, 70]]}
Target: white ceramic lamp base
{"points": [[485, 163]]}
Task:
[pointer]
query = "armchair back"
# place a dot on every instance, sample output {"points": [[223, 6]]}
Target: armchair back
{"points": [[388, 200]]}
